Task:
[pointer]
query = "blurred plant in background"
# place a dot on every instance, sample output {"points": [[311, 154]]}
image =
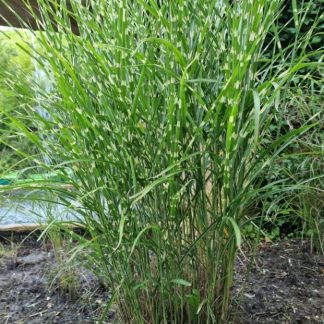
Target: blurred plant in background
{"points": [[16, 94]]}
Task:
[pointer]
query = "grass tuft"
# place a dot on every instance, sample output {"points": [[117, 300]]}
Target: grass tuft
{"points": [[160, 109]]}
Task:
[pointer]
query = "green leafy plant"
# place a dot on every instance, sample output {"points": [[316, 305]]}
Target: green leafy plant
{"points": [[297, 18]]}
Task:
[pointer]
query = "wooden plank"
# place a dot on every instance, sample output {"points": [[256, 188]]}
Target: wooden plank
{"points": [[15, 13], [19, 227], [30, 227]]}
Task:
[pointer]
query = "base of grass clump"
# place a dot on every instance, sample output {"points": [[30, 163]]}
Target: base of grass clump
{"points": [[284, 286]]}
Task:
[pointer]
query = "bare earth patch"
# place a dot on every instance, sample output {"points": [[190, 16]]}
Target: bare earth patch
{"points": [[29, 290], [285, 285]]}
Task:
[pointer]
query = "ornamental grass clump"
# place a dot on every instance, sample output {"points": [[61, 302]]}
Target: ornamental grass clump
{"points": [[159, 109]]}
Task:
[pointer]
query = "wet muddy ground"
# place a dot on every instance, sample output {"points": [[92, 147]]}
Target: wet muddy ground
{"points": [[285, 285]]}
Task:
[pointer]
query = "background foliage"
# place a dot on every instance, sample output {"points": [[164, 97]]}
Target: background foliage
{"points": [[305, 158]]}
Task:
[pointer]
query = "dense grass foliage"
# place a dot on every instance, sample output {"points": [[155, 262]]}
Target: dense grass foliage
{"points": [[162, 110]]}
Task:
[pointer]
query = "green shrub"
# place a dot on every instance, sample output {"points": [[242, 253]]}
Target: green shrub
{"points": [[15, 97]]}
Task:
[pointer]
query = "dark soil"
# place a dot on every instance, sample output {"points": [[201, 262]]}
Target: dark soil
{"points": [[30, 291], [285, 285]]}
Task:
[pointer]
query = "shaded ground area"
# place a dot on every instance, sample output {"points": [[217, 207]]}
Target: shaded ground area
{"points": [[30, 289], [286, 285]]}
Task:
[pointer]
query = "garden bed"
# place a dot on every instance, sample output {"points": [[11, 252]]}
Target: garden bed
{"points": [[285, 285]]}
